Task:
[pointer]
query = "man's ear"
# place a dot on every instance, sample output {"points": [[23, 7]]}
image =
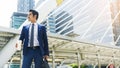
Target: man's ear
{"points": [[35, 16]]}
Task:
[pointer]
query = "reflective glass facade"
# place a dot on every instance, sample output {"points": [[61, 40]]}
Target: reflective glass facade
{"points": [[56, 23], [17, 19], [25, 5], [90, 20]]}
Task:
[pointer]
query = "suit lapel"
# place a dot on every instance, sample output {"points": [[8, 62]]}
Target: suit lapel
{"points": [[39, 30], [27, 29]]}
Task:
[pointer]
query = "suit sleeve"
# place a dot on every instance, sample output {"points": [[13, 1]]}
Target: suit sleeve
{"points": [[22, 35], [45, 41]]}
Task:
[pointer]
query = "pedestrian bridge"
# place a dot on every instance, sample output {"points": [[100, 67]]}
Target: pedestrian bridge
{"points": [[62, 49]]}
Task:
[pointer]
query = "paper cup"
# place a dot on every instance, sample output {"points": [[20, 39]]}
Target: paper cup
{"points": [[19, 44]]}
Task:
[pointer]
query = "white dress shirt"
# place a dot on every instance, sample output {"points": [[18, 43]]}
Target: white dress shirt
{"points": [[36, 43]]}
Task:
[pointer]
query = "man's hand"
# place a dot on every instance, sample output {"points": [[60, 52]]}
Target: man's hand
{"points": [[18, 45], [46, 57]]}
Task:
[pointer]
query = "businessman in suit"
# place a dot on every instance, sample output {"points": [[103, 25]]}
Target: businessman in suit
{"points": [[35, 43]]}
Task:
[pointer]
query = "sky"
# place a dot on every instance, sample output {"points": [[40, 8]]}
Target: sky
{"points": [[7, 7]]}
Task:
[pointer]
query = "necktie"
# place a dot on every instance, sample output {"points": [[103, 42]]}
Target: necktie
{"points": [[32, 36]]}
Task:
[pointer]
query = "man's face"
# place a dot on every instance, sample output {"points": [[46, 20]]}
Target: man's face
{"points": [[31, 17]]}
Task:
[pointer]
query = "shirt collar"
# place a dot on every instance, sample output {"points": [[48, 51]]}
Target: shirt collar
{"points": [[34, 23]]}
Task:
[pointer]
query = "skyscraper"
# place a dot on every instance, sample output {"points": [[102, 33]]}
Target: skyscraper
{"points": [[84, 20], [25, 5], [56, 23], [115, 8], [17, 19]]}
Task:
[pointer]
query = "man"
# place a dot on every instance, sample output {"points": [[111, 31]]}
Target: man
{"points": [[35, 43]]}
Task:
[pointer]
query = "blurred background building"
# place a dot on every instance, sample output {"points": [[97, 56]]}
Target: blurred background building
{"points": [[57, 22], [18, 19], [86, 19], [25, 5], [115, 10]]}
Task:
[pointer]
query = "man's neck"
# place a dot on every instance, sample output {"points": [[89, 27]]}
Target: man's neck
{"points": [[33, 22]]}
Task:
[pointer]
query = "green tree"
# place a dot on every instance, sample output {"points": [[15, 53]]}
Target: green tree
{"points": [[74, 65]]}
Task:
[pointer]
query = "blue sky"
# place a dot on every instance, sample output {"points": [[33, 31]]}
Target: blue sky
{"points": [[7, 7]]}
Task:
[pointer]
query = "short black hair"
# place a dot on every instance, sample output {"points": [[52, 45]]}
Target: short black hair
{"points": [[34, 12]]}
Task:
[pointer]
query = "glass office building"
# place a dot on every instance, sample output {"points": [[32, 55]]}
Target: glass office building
{"points": [[115, 8], [86, 19], [55, 21], [25, 5], [17, 19]]}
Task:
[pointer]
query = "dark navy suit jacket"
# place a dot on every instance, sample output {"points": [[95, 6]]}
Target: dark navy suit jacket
{"points": [[42, 39]]}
